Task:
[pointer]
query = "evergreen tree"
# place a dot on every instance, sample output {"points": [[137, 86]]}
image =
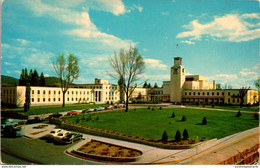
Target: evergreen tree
{"points": [[204, 121], [173, 115], [238, 114], [26, 76], [42, 80], [164, 136], [185, 134], [27, 103], [149, 85], [23, 77], [35, 78], [30, 76], [177, 135], [155, 85], [145, 85], [183, 118]]}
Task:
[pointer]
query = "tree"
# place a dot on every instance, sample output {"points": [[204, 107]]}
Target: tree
{"points": [[177, 135], [149, 85], [257, 83], [164, 136], [204, 121], [121, 84], [35, 78], [129, 65], [185, 134], [23, 77], [145, 85], [139, 97], [67, 71], [227, 86], [241, 93], [183, 118], [238, 114], [173, 115], [27, 103], [218, 86], [42, 80], [155, 85]]}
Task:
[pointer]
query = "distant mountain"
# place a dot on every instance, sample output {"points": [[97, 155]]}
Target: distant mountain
{"points": [[8, 80]]}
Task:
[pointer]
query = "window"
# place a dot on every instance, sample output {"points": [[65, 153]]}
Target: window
{"points": [[44, 92], [72, 99], [39, 92], [39, 99], [32, 99], [207, 93], [185, 93], [222, 93], [237, 100], [76, 99], [229, 93], [68, 99], [189, 93], [203, 93], [194, 93], [76, 92], [229, 100], [217, 93], [212, 93], [59, 92], [54, 99], [59, 99], [198, 93], [49, 92], [43, 99], [72, 92], [6, 91], [54, 92], [49, 99], [233, 100], [32, 92], [87, 92]]}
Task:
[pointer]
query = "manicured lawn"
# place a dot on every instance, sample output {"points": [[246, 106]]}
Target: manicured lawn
{"points": [[253, 109], [55, 109], [151, 124]]}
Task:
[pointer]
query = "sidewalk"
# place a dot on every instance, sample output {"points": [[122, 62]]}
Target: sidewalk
{"points": [[154, 155]]}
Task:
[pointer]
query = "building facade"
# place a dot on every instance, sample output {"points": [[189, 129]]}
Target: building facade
{"points": [[181, 88]]}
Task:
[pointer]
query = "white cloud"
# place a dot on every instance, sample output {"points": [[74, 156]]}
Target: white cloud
{"points": [[164, 13], [231, 27], [135, 7], [154, 63], [86, 29], [251, 15], [187, 42], [246, 72], [22, 41], [144, 49], [7, 63]]}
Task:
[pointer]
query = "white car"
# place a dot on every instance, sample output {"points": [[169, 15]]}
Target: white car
{"points": [[53, 133], [60, 135]]}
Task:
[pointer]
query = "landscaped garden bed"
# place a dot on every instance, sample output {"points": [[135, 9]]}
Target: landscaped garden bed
{"points": [[106, 151]]}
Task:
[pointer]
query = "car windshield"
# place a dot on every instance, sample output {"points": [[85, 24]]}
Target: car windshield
{"points": [[52, 132]]}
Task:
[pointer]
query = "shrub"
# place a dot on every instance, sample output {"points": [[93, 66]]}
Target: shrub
{"points": [[164, 136], [77, 120], [160, 108], [152, 109], [83, 118], [89, 118], [177, 135], [256, 116], [170, 122], [134, 109], [183, 118], [148, 107], [173, 115], [238, 114], [203, 105], [97, 118], [204, 121], [213, 105], [185, 134]]}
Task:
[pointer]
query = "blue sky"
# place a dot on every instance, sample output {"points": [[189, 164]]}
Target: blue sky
{"points": [[217, 39]]}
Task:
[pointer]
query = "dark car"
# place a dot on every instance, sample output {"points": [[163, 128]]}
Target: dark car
{"points": [[35, 120], [13, 131], [71, 137], [57, 115]]}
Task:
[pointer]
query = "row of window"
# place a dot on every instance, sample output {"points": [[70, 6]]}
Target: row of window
{"points": [[203, 93], [100, 87], [59, 99], [59, 92], [9, 91]]}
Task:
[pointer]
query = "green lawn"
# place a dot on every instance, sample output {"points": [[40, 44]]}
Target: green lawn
{"points": [[151, 124], [55, 109], [253, 109]]}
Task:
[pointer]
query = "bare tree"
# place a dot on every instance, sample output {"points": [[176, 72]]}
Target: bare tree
{"points": [[241, 94], [128, 65], [67, 71], [257, 83]]}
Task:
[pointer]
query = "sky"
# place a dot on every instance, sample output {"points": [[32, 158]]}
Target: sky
{"points": [[217, 39]]}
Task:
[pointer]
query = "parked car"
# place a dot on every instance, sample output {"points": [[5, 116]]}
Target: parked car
{"points": [[88, 110], [70, 138], [110, 107], [118, 105], [99, 108], [35, 120], [13, 131], [74, 112], [60, 135], [8, 122], [53, 133], [57, 115]]}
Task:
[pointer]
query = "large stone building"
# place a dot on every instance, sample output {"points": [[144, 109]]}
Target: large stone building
{"points": [[181, 88]]}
